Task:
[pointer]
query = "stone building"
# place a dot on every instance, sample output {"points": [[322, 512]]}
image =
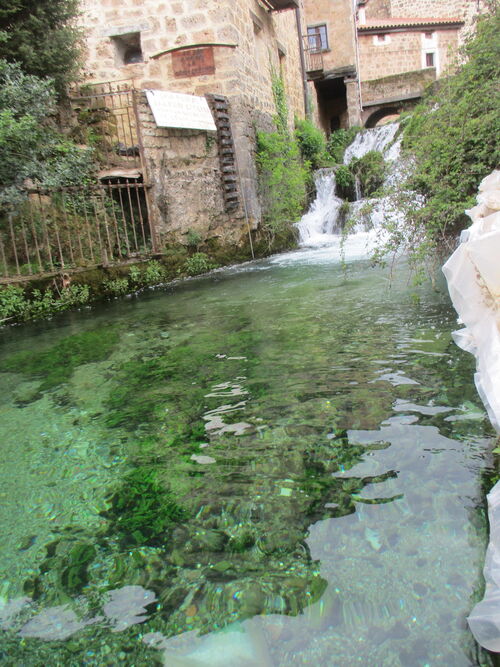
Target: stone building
{"points": [[331, 62], [230, 49], [370, 58]]}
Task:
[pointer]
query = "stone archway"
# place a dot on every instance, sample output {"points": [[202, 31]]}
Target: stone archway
{"points": [[381, 112]]}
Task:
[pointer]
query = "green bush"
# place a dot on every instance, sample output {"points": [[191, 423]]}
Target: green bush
{"points": [[339, 140], [198, 263], [41, 38], [116, 286], [282, 176], [31, 147], [452, 137], [154, 273], [312, 143], [370, 170], [344, 180]]}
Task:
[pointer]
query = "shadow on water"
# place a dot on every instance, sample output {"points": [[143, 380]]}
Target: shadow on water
{"points": [[273, 465]]}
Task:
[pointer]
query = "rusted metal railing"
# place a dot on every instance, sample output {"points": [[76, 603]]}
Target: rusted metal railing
{"points": [[75, 227]]}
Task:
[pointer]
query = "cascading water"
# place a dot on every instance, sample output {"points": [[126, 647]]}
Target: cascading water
{"points": [[320, 226]]}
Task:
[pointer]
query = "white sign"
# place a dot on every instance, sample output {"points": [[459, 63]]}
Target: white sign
{"points": [[180, 110]]}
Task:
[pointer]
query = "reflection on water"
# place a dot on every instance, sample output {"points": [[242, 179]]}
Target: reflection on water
{"points": [[275, 465]]}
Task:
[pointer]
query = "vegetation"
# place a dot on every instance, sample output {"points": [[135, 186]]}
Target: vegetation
{"points": [[452, 140], [312, 143], [198, 263], [339, 141], [142, 510], [370, 171], [41, 38], [282, 175], [56, 365], [33, 150]]}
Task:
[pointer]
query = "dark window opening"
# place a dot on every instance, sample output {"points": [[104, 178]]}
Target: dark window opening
{"points": [[429, 35], [429, 60], [317, 38], [128, 48]]}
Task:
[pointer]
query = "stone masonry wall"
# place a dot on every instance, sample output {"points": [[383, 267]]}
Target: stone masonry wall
{"points": [[186, 193], [397, 85], [403, 53], [249, 40], [339, 19], [249, 44]]}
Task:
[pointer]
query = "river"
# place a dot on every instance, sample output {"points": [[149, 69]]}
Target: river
{"points": [[281, 463]]}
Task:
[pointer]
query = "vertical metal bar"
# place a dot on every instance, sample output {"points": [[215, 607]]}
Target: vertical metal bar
{"points": [[131, 208], [144, 168], [110, 247], [45, 228], [115, 222], [124, 217], [102, 249], [124, 222], [58, 238], [68, 231], [77, 230], [35, 236], [13, 239], [4, 258], [87, 225], [141, 218], [26, 249]]}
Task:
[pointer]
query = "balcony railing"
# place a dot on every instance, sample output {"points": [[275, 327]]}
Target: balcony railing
{"points": [[313, 52]]}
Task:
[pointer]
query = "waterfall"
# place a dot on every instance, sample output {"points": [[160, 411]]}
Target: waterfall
{"points": [[376, 139], [320, 226]]}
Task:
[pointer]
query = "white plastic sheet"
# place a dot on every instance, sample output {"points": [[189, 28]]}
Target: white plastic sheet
{"points": [[484, 620]]}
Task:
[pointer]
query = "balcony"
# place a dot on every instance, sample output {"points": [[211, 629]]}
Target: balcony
{"points": [[280, 5], [313, 53]]}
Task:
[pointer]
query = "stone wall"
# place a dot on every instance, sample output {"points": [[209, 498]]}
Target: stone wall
{"points": [[339, 20], [186, 186], [246, 43], [242, 46], [397, 86], [403, 52]]}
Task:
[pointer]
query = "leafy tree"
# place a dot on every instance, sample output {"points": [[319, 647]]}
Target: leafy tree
{"points": [[42, 37], [282, 176], [31, 146], [452, 138], [312, 143]]}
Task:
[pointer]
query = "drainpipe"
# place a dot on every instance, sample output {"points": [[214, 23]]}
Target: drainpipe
{"points": [[302, 64], [358, 68]]}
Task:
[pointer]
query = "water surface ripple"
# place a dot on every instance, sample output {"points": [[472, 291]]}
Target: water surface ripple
{"points": [[279, 464]]}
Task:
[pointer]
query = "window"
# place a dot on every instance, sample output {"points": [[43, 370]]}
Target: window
{"points": [[381, 39], [128, 48], [429, 60], [317, 38], [429, 35]]}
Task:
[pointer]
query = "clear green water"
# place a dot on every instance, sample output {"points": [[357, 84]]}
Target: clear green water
{"points": [[286, 463]]}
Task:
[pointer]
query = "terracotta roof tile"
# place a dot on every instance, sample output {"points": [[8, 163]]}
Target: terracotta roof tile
{"points": [[407, 22]]}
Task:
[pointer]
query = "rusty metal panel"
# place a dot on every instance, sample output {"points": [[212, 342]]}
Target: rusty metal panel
{"points": [[193, 62]]}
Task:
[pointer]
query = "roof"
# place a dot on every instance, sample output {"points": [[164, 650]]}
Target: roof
{"points": [[399, 23]]}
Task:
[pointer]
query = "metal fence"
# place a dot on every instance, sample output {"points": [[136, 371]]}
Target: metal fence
{"points": [[111, 109], [91, 225], [75, 227]]}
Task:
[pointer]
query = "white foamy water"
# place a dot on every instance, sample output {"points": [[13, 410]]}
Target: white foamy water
{"points": [[320, 230], [376, 139], [319, 225]]}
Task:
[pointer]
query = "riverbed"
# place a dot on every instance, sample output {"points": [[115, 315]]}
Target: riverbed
{"points": [[281, 463]]}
